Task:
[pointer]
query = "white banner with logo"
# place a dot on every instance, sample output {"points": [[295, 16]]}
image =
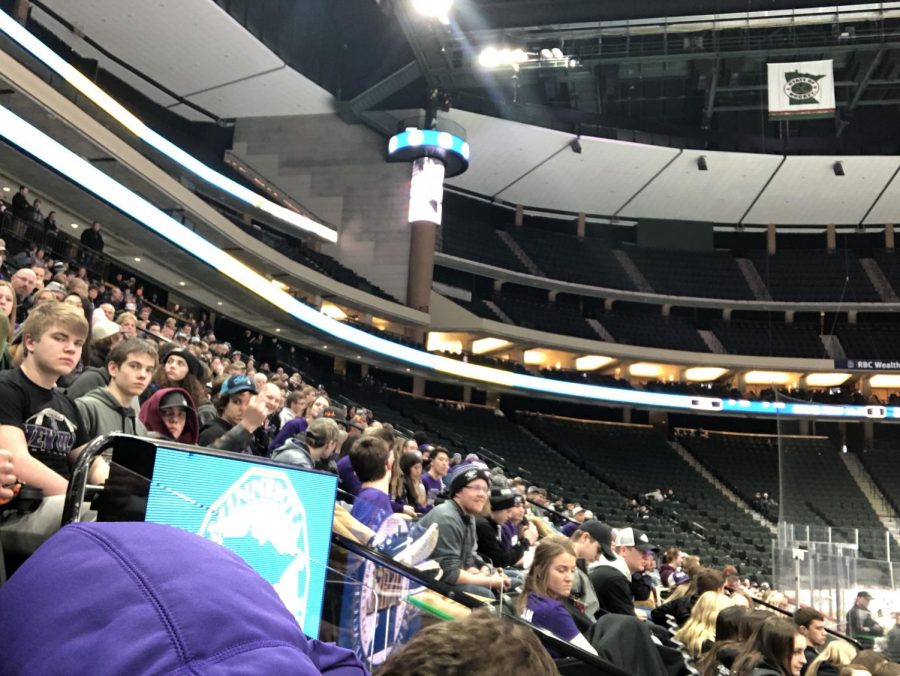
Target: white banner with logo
{"points": [[804, 89]]}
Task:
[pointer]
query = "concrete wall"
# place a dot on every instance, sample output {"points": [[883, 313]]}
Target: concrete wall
{"points": [[338, 172]]}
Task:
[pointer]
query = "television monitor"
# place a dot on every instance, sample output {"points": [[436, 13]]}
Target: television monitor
{"points": [[276, 517]]}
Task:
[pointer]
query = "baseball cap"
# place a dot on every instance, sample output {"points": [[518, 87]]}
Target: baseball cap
{"points": [[56, 287], [174, 399], [602, 533], [633, 537], [104, 328], [865, 595], [237, 384], [679, 577]]}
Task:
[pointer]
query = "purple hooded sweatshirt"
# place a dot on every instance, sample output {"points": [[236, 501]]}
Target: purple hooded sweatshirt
{"points": [[140, 598]]}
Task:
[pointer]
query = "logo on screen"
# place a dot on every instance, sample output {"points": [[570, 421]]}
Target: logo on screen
{"points": [[260, 516]]}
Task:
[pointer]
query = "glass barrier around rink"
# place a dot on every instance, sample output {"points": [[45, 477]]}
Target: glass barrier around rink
{"points": [[828, 576]]}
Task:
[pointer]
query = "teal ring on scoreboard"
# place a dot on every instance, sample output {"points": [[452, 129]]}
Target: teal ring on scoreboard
{"points": [[412, 144]]}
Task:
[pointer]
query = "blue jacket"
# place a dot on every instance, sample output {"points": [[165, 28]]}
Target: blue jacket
{"points": [[140, 598]]}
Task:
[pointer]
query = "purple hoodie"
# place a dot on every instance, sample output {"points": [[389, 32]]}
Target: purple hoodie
{"points": [[140, 598]]}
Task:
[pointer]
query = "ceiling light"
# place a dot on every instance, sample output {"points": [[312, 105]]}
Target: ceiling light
{"points": [[331, 310], [557, 53], [766, 377], [704, 374], [645, 370], [443, 342], [74, 225], [277, 330], [884, 380], [6, 188], [435, 9], [182, 283], [546, 54], [137, 259], [483, 345], [534, 357], [826, 379], [219, 303], [592, 362]]}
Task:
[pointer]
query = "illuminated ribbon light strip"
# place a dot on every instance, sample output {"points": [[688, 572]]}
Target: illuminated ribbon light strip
{"points": [[28, 138], [40, 51]]}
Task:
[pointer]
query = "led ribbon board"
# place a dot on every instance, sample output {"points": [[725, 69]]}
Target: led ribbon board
{"points": [[53, 61], [414, 143]]}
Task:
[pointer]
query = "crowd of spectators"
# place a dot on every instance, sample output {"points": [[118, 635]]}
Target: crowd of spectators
{"points": [[82, 357]]}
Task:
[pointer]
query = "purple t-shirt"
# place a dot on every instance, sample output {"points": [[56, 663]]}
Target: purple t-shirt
{"points": [[509, 535], [349, 481], [371, 507], [551, 615], [432, 487], [568, 528]]}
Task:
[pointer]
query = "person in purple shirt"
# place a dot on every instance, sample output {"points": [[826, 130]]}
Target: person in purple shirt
{"points": [[579, 516], [548, 584], [433, 479], [297, 426], [372, 461]]}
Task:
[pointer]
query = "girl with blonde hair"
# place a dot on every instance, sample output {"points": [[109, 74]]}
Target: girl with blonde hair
{"points": [[833, 656], [699, 632]]}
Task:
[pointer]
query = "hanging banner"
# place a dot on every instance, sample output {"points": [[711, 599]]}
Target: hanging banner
{"points": [[804, 89]]}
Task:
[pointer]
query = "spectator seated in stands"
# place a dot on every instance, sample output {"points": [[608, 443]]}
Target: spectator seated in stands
{"points": [[488, 530], [671, 561], [372, 461], [170, 414], [24, 282], [775, 649], [705, 580], [152, 594], [579, 516], [320, 441], [612, 579], [831, 658], [179, 367], [592, 539], [811, 623], [433, 479], [240, 412], [699, 633], [468, 490], [412, 492], [39, 425], [547, 585], [298, 425], [478, 645], [112, 408]]}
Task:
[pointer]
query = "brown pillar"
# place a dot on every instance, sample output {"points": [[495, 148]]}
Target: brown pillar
{"points": [[889, 236], [770, 239], [340, 366], [520, 214], [831, 237], [421, 265], [581, 225]]}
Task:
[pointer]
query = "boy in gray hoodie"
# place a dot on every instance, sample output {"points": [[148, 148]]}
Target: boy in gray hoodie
{"points": [[113, 408]]}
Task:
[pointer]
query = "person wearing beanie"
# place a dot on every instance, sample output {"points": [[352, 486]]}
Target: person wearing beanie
{"points": [[469, 487], [489, 532]]}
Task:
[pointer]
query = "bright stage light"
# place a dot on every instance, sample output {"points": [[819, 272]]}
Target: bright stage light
{"points": [[435, 9]]}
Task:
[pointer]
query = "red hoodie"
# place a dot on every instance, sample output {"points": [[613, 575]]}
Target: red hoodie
{"points": [[153, 421]]}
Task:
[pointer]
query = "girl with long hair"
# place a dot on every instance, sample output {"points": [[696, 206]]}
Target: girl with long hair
{"points": [[178, 367], [699, 632], [775, 649], [547, 585], [412, 492]]}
